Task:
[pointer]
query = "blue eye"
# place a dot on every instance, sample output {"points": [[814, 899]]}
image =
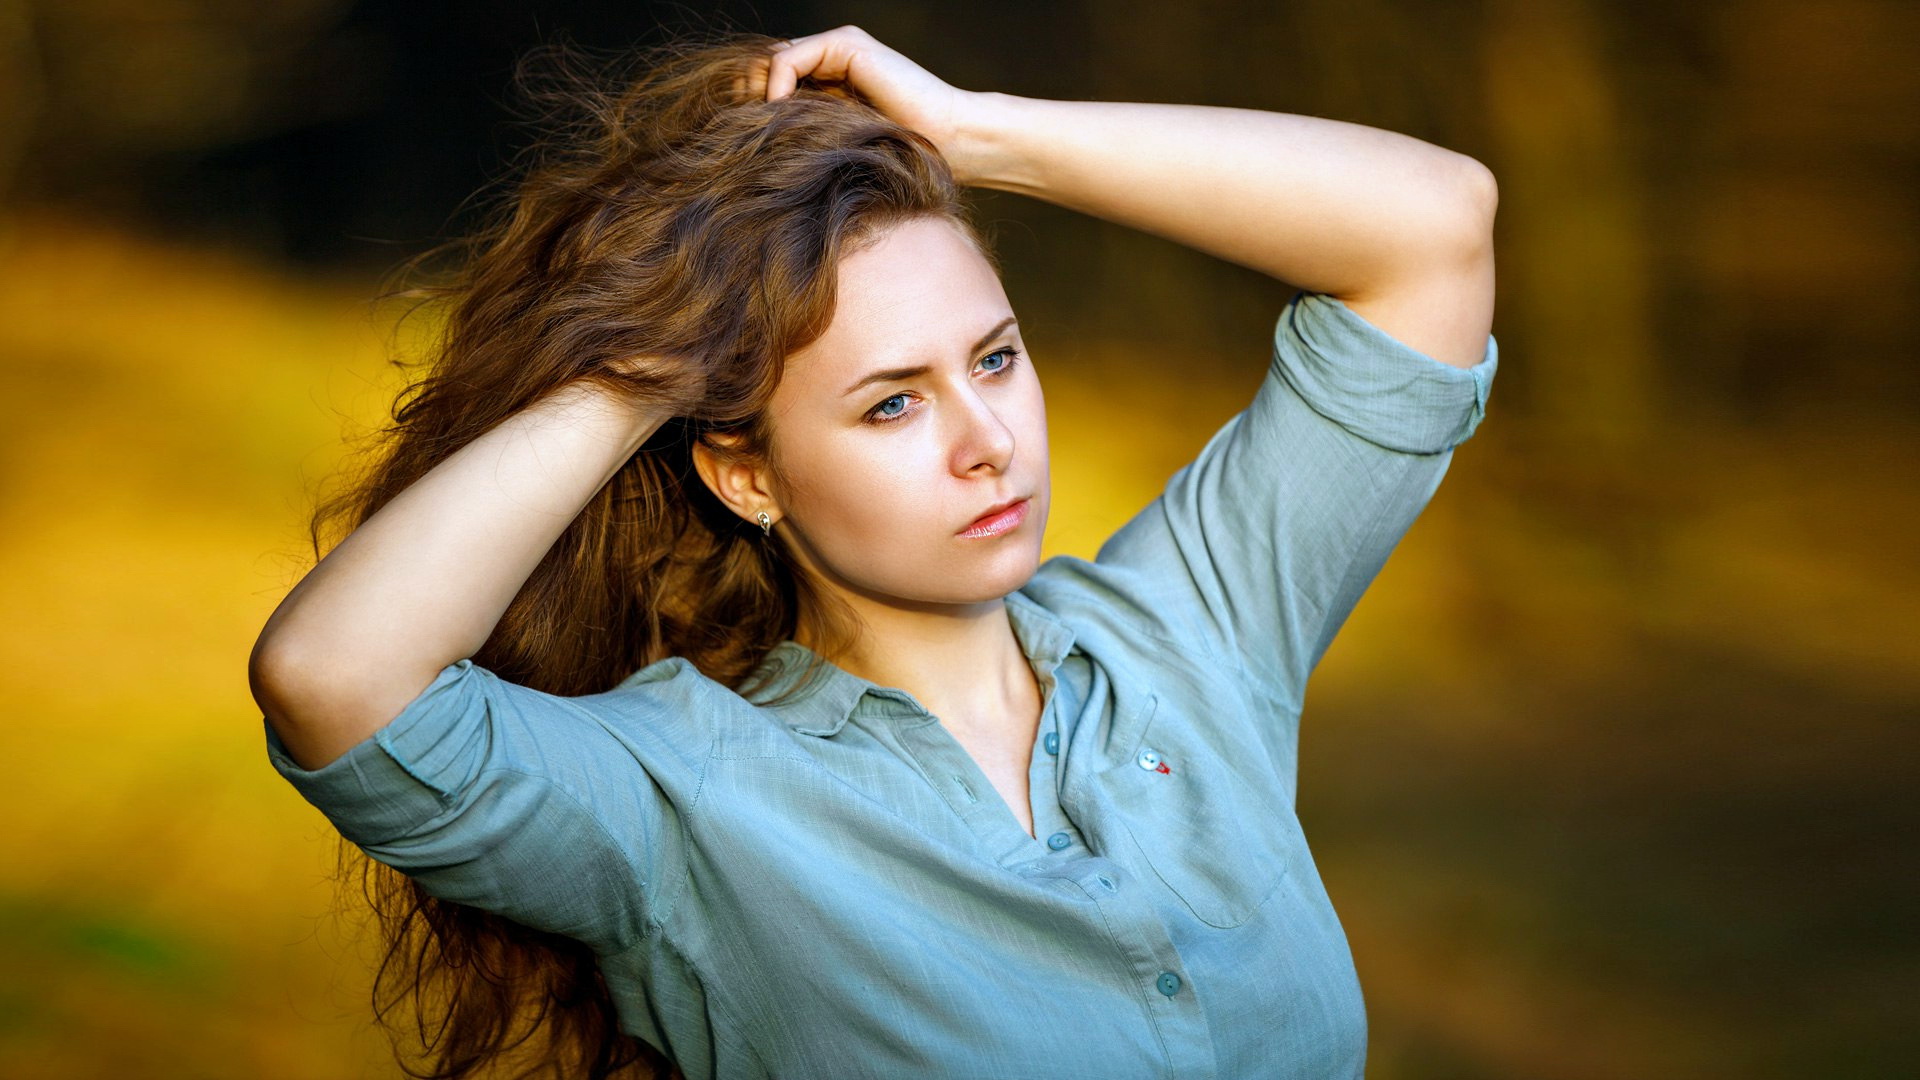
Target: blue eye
{"points": [[878, 415]]}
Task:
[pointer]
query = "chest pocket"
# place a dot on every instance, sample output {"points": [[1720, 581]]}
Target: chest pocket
{"points": [[1218, 840]]}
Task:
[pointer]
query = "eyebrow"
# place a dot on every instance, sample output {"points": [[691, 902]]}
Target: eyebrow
{"points": [[896, 374]]}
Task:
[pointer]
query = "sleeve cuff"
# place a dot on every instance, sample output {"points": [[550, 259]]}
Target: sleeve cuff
{"points": [[1374, 385], [399, 776]]}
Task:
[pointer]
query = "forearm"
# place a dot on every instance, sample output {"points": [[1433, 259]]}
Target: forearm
{"points": [[423, 581], [1324, 205]]}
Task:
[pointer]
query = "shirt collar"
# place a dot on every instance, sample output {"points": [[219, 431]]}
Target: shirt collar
{"points": [[825, 707]]}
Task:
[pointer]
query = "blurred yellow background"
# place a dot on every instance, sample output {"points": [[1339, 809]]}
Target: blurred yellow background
{"points": [[1609, 775]]}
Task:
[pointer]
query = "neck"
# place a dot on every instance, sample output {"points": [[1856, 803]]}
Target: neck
{"points": [[962, 661]]}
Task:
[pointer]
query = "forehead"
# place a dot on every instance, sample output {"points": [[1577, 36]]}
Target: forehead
{"points": [[918, 294]]}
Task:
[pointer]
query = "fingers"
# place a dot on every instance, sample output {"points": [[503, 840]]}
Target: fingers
{"points": [[826, 56], [801, 57], [755, 82]]}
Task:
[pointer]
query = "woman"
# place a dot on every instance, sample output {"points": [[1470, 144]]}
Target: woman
{"points": [[691, 655]]}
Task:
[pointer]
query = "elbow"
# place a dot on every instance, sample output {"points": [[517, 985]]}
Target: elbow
{"points": [[322, 700], [1453, 215], [1458, 222], [272, 676], [306, 710], [290, 682], [1479, 199]]}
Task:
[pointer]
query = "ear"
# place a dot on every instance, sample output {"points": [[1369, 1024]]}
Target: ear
{"points": [[735, 481]]}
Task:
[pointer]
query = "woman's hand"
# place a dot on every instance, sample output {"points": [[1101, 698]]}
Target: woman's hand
{"points": [[907, 93]]}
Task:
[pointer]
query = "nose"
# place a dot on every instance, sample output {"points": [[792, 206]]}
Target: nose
{"points": [[983, 441]]}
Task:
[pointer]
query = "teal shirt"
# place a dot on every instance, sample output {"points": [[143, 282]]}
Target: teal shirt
{"points": [[832, 887]]}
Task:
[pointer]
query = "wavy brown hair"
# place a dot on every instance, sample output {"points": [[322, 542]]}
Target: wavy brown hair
{"points": [[669, 221]]}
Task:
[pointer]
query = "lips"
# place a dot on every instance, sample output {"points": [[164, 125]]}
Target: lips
{"points": [[995, 511]]}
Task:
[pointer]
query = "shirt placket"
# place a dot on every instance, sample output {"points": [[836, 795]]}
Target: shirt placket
{"points": [[1156, 970], [1157, 977], [972, 796]]}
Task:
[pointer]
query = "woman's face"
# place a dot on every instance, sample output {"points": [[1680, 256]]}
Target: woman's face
{"points": [[883, 471]]}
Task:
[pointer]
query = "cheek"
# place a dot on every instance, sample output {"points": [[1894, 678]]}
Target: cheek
{"points": [[1034, 424], [857, 495]]}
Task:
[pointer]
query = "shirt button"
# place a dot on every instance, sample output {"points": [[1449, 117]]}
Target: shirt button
{"points": [[1106, 882], [1059, 840], [1169, 983], [1148, 760], [1053, 742]]}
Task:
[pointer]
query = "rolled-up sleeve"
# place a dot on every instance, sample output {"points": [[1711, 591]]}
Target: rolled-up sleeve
{"points": [[1266, 541], [492, 794]]}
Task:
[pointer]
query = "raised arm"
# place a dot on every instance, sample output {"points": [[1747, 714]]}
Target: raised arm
{"points": [[424, 580], [1257, 551], [1398, 229]]}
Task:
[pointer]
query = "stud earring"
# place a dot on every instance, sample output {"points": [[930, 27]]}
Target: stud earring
{"points": [[766, 523]]}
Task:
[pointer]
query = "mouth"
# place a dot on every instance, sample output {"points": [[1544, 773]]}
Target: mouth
{"points": [[1000, 519]]}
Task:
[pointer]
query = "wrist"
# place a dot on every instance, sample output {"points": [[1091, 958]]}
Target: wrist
{"points": [[985, 151], [623, 419]]}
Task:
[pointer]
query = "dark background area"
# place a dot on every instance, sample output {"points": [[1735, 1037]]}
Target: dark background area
{"points": [[1609, 775], [1748, 166]]}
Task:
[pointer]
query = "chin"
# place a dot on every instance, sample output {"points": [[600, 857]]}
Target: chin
{"points": [[984, 581], [1014, 573]]}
